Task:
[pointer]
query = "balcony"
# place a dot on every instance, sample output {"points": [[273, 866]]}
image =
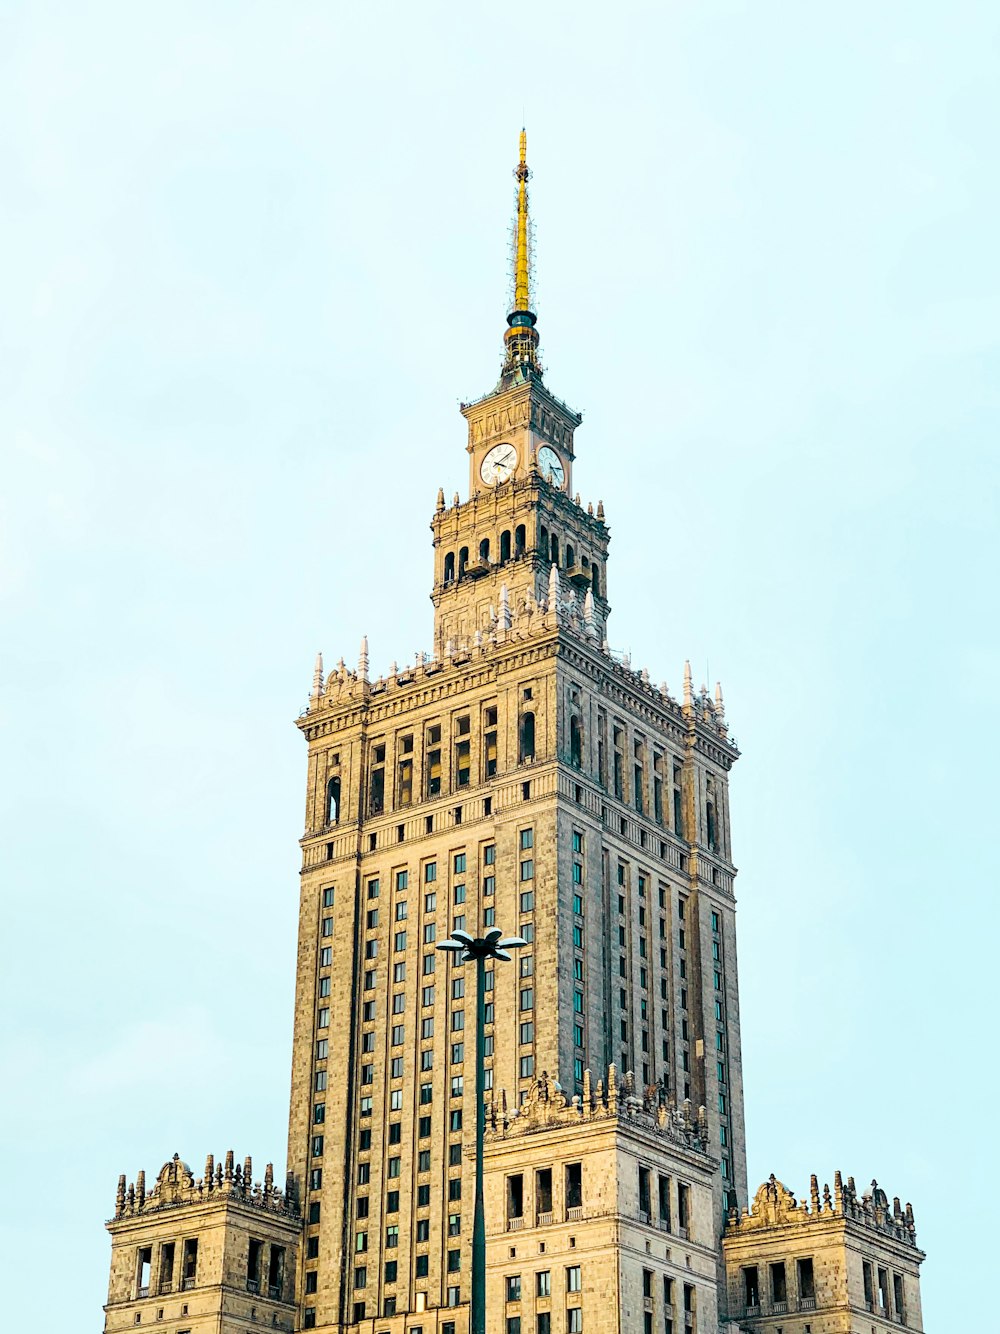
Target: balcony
{"points": [[166, 1286], [779, 1308], [187, 1283], [142, 1292], [515, 1224], [544, 1219], [574, 1212], [807, 1303], [253, 1285], [274, 1290]]}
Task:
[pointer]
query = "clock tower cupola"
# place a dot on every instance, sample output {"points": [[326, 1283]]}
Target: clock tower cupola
{"points": [[498, 547]]}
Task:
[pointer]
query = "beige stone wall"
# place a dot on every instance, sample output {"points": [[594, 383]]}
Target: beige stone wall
{"points": [[217, 1296], [619, 1252], [837, 1239]]}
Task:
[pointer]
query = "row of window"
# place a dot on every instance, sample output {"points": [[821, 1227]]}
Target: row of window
{"points": [[513, 546], [434, 778], [167, 1278]]}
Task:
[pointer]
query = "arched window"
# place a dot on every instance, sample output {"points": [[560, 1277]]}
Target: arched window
{"points": [[595, 580], [570, 557], [713, 837], [463, 560], [575, 742], [527, 738], [505, 545], [543, 540], [484, 549], [449, 567], [519, 540], [333, 801], [554, 555]]}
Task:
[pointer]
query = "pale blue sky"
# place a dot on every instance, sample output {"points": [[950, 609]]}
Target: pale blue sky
{"points": [[253, 256]]}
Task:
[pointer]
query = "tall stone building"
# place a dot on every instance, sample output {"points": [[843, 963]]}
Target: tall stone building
{"points": [[523, 775]]}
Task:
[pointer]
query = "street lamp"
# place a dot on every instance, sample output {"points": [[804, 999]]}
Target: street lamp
{"points": [[490, 946]]}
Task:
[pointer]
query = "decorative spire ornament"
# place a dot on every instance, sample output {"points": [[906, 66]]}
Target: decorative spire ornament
{"points": [[588, 613], [688, 692], [317, 689], [554, 589], [363, 659], [521, 337], [505, 617]]}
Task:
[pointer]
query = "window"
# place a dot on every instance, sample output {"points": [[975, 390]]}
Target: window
{"points": [[573, 1279], [779, 1286], [392, 1236], [327, 929], [527, 1067], [804, 1274], [527, 738], [527, 999], [333, 801], [322, 1048], [323, 1018], [515, 1196], [683, 1207], [325, 957]]}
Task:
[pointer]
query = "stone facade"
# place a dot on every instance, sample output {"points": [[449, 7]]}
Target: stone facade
{"points": [[220, 1253], [600, 1214], [521, 775], [843, 1263]]}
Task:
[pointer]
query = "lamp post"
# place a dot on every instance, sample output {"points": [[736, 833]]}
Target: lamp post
{"points": [[490, 946]]}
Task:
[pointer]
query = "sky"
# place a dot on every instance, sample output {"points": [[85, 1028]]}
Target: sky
{"points": [[253, 257]]}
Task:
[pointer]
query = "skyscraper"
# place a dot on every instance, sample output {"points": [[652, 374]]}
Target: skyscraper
{"points": [[522, 775], [526, 776]]}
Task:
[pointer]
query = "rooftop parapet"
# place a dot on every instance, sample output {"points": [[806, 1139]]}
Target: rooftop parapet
{"points": [[563, 607], [774, 1205], [547, 1107], [176, 1185]]}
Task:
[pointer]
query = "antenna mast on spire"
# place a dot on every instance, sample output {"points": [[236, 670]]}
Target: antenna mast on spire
{"points": [[521, 337]]}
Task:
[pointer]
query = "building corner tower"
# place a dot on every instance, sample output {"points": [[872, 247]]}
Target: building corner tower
{"points": [[526, 776]]}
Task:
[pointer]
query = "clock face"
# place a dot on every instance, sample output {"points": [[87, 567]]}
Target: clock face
{"points": [[498, 465], [550, 465]]}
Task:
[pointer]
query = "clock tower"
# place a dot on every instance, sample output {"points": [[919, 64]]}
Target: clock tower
{"points": [[494, 552]]}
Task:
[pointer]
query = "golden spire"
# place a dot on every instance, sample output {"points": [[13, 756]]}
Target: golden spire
{"points": [[522, 268], [521, 337]]}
